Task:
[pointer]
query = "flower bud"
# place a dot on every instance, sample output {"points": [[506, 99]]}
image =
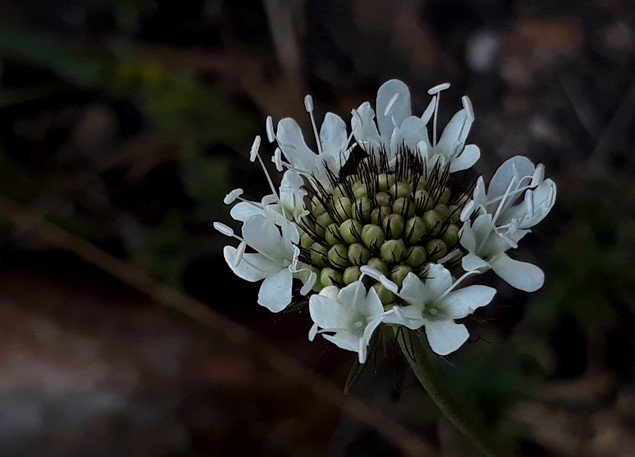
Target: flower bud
{"points": [[378, 265], [416, 256], [373, 236], [322, 221], [384, 294], [445, 196], [399, 273], [423, 199], [361, 209], [392, 251], [378, 214], [338, 256], [432, 220], [451, 235], [342, 207], [332, 234], [436, 249], [442, 210], [338, 192], [360, 190], [316, 207], [330, 277], [306, 241], [455, 213], [351, 274], [358, 254], [383, 199], [350, 230], [403, 206], [401, 189], [318, 254], [415, 230], [393, 226], [422, 184], [384, 181]]}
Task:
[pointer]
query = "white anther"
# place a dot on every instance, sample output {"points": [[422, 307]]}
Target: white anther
{"points": [[308, 104], [232, 196], [308, 285], [254, 149], [467, 105], [224, 229], [271, 134], [388, 284], [277, 159], [390, 104], [370, 271], [438, 88]]}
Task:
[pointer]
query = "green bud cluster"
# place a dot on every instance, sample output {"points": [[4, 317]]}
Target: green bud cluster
{"points": [[396, 223]]}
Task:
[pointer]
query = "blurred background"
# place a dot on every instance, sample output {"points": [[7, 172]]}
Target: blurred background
{"points": [[123, 123]]}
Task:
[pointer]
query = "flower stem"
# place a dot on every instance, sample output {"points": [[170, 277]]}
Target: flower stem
{"points": [[468, 424]]}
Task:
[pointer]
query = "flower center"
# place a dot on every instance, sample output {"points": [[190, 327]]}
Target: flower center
{"points": [[396, 218]]}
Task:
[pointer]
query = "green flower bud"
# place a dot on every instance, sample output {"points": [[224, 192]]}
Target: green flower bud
{"points": [[378, 265], [443, 211], [373, 236], [330, 277], [403, 206], [445, 196], [332, 234], [358, 254], [323, 221], [306, 241], [451, 235], [350, 230], [392, 251], [401, 189], [383, 199], [316, 207], [422, 184], [378, 214], [415, 230], [318, 254], [384, 181], [455, 213], [359, 189], [338, 256], [384, 294], [436, 249], [416, 256], [338, 192], [393, 226], [399, 273], [432, 220], [342, 207], [361, 209], [423, 199], [351, 274]]}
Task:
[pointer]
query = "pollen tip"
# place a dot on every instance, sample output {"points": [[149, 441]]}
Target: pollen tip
{"points": [[224, 229], [308, 104], [438, 88], [254, 149], [271, 135]]}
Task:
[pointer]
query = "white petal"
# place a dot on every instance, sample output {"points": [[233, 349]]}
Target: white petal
{"points": [[445, 336], [454, 134], [275, 291], [366, 337], [328, 313], [352, 296], [521, 275], [344, 340], [244, 210], [409, 316], [429, 111], [293, 146], [398, 112], [264, 236], [472, 262], [520, 165], [409, 134], [364, 127], [414, 291], [333, 135], [461, 303], [438, 280], [252, 268], [470, 155]]}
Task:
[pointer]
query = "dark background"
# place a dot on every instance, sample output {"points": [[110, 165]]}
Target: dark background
{"points": [[122, 125]]}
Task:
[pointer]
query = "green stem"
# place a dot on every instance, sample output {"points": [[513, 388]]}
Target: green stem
{"points": [[466, 422]]}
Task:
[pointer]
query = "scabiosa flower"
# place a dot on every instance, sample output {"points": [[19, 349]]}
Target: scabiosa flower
{"points": [[376, 228]]}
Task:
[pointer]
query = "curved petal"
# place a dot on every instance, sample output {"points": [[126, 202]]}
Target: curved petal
{"points": [[242, 211], [521, 275], [393, 106], [275, 291], [473, 262], [352, 296], [514, 168], [364, 127], [251, 270], [344, 340], [414, 291], [328, 313], [445, 336], [461, 303], [264, 236], [454, 134], [333, 136], [439, 280], [470, 155], [293, 146], [409, 134]]}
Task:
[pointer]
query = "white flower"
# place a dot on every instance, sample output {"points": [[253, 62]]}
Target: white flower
{"points": [[275, 259], [517, 199], [350, 314], [396, 127], [434, 305]]}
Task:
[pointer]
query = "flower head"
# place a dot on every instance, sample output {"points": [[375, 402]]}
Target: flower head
{"points": [[377, 229]]}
